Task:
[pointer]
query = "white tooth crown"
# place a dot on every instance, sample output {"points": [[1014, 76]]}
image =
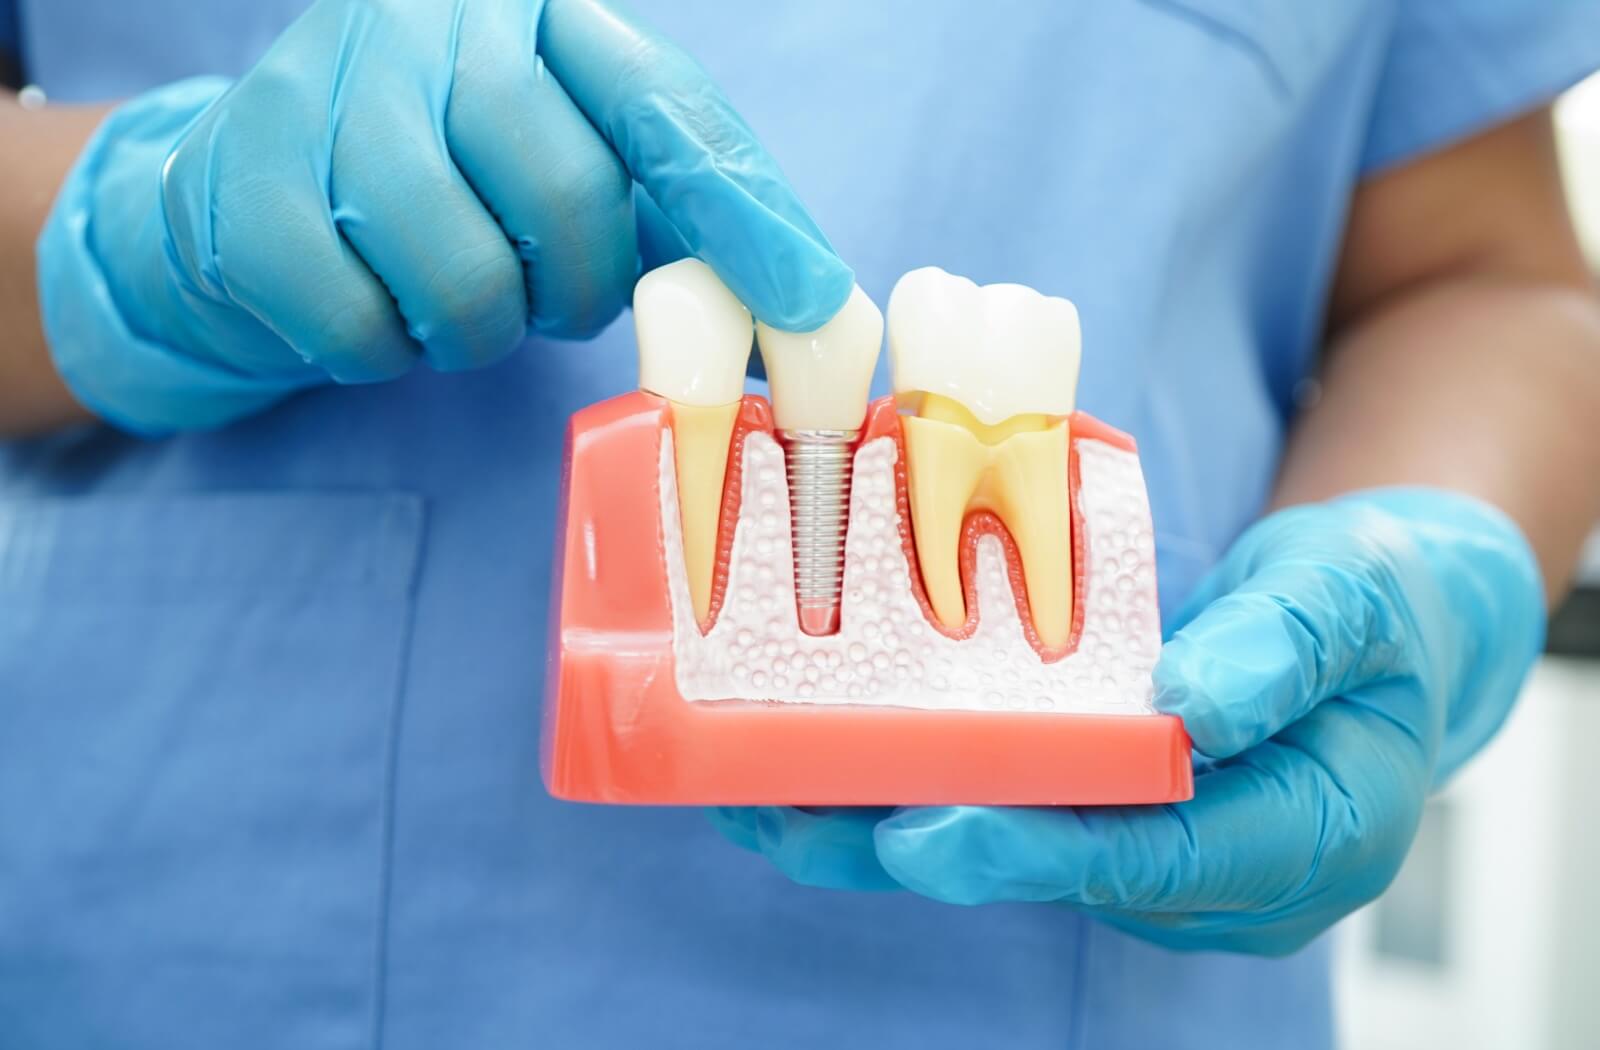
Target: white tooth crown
{"points": [[819, 379], [1001, 350], [694, 335]]}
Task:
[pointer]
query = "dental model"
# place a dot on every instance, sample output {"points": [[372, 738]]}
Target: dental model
{"points": [[976, 618]]}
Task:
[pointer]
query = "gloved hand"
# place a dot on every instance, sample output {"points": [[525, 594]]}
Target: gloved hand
{"points": [[397, 181], [1342, 660]]}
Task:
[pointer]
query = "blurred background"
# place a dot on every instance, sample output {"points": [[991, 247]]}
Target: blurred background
{"points": [[1490, 936]]}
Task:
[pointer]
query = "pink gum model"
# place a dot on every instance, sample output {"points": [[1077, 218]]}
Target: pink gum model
{"points": [[644, 705]]}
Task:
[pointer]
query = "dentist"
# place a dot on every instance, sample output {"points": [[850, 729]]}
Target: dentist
{"points": [[292, 311]]}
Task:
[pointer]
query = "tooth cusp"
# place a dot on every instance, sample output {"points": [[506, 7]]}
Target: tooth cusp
{"points": [[1001, 350]]}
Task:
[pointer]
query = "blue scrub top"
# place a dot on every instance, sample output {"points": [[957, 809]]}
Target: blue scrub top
{"points": [[269, 697]]}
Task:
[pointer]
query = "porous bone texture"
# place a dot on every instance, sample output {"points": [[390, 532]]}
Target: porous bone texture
{"points": [[886, 651]]}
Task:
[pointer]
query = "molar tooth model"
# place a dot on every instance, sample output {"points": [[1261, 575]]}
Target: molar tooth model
{"points": [[995, 622]]}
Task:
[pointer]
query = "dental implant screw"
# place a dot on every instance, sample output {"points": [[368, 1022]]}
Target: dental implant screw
{"points": [[819, 464]]}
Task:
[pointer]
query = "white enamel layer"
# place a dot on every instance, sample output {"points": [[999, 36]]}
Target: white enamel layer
{"points": [[694, 336], [819, 379], [886, 653], [1000, 349]]}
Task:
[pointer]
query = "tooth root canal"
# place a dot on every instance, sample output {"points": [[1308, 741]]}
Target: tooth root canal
{"points": [[700, 438], [1020, 475]]}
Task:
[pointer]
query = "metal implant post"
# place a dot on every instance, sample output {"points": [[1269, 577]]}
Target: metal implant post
{"points": [[820, 464]]}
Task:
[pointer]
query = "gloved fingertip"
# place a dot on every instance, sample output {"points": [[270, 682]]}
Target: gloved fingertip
{"points": [[806, 299], [769, 822], [929, 851], [911, 819], [1179, 691], [1217, 732], [826, 849], [1209, 733], [1233, 675], [737, 824]]}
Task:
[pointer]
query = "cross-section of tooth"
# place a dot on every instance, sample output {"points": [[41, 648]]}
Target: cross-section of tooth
{"points": [[989, 373], [694, 343]]}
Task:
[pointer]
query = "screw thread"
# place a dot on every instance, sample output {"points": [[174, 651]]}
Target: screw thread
{"points": [[819, 465]]}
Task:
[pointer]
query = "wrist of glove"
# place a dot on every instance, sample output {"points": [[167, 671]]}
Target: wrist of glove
{"points": [[117, 325], [1342, 660]]}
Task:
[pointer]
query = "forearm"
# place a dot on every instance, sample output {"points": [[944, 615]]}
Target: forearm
{"points": [[1483, 383], [37, 148]]}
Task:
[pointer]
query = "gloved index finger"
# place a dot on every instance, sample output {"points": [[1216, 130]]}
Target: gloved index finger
{"points": [[698, 160]]}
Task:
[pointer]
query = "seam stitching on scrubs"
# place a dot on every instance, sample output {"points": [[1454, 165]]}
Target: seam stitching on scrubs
{"points": [[1230, 33], [380, 960], [1077, 1023]]}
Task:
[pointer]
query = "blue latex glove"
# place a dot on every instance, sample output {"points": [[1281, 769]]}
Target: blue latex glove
{"points": [[1340, 662], [396, 182]]}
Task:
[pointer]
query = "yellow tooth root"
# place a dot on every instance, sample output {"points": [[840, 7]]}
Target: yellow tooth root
{"points": [[700, 438], [1030, 495], [1016, 469], [943, 466]]}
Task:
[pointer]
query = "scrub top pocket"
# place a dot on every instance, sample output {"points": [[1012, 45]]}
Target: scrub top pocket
{"points": [[198, 696]]}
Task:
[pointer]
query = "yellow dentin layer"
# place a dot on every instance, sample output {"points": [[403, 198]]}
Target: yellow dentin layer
{"points": [[700, 438], [1017, 469]]}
